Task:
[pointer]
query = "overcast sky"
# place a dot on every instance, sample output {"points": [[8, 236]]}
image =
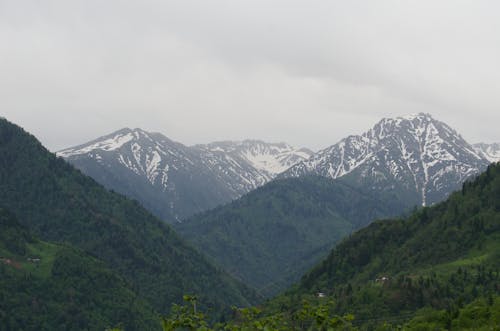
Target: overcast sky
{"points": [[305, 72]]}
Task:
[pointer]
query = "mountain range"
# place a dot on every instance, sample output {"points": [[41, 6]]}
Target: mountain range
{"points": [[289, 224], [175, 181], [414, 159], [104, 258]]}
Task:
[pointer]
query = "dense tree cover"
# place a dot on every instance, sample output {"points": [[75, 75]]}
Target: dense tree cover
{"points": [[441, 257], [309, 316], [58, 203], [481, 314], [437, 269], [271, 236], [44, 286], [319, 314]]}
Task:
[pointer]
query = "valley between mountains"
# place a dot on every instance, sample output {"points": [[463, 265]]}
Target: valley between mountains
{"points": [[222, 198], [238, 223]]}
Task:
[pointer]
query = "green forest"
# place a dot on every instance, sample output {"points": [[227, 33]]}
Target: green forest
{"points": [[440, 258], [308, 215], [47, 286], [438, 269]]}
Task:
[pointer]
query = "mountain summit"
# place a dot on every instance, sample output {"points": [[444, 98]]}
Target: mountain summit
{"points": [[175, 181], [415, 158]]}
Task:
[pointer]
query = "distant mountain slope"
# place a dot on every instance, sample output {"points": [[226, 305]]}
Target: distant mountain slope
{"points": [[254, 161], [272, 235], [44, 286], [415, 158], [440, 257], [175, 181], [59, 203], [491, 152], [167, 177]]}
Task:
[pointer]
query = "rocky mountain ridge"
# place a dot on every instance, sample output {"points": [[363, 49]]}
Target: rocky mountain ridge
{"points": [[175, 181], [416, 153]]}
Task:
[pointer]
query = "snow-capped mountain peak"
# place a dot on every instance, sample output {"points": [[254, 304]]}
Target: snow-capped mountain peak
{"points": [[107, 143], [175, 180], [416, 151], [143, 153]]}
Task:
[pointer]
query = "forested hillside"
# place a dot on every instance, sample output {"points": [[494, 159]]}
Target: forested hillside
{"points": [[58, 203], [45, 286], [441, 257], [271, 236]]}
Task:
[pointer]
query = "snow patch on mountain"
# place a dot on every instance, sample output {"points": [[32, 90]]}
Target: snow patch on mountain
{"points": [[489, 151], [134, 149], [248, 164], [199, 176], [109, 144]]}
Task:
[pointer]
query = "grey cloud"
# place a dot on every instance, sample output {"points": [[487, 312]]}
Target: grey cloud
{"points": [[306, 72]]}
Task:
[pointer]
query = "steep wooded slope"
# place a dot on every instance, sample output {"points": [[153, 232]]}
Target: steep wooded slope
{"points": [[272, 235], [45, 286], [59, 203], [440, 257]]}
